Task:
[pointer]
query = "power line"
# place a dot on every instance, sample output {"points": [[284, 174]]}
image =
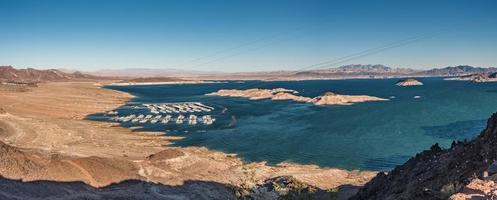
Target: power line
{"points": [[230, 49], [371, 51], [363, 53], [241, 52]]}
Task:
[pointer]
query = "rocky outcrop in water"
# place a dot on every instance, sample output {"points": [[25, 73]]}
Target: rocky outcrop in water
{"points": [[328, 98], [437, 173], [408, 82]]}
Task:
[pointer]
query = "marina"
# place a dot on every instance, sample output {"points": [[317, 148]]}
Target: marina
{"points": [[182, 107], [169, 109]]}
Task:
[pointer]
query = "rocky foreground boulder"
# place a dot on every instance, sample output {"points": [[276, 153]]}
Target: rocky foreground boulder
{"points": [[284, 187], [437, 173]]}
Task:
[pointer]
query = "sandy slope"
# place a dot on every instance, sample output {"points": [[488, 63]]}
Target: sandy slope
{"points": [[48, 123]]}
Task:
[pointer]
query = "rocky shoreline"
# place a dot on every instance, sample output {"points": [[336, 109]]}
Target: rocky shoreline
{"points": [[44, 131], [478, 78], [464, 171]]}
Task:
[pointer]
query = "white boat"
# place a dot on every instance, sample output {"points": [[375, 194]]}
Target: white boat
{"points": [[148, 116], [179, 121], [135, 120], [140, 116], [204, 106], [158, 117], [417, 97], [113, 112], [192, 119], [153, 121], [207, 119], [165, 121], [143, 121]]}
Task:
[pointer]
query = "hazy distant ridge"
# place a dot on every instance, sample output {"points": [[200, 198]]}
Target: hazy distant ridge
{"points": [[9, 73], [342, 72]]}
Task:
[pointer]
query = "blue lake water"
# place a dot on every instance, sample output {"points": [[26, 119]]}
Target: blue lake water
{"points": [[370, 135]]}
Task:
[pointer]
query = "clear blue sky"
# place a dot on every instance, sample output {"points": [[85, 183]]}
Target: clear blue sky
{"points": [[253, 35]]}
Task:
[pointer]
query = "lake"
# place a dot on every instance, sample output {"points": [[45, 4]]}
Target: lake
{"points": [[369, 135]]}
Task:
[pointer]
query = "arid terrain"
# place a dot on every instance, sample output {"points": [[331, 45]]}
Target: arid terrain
{"points": [[49, 150], [45, 136]]}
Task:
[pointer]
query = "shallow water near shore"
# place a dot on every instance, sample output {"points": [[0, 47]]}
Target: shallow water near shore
{"points": [[369, 135]]}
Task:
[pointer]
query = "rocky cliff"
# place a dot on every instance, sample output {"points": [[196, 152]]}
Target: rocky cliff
{"points": [[437, 173]]}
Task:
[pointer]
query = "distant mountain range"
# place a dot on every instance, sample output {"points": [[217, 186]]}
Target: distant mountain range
{"points": [[29, 75], [357, 71], [460, 70], [365, 71], [343, 72], [148, 72]]}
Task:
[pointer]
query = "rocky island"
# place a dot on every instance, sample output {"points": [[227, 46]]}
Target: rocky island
{"points": [[408, 82], [328, 98]]}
